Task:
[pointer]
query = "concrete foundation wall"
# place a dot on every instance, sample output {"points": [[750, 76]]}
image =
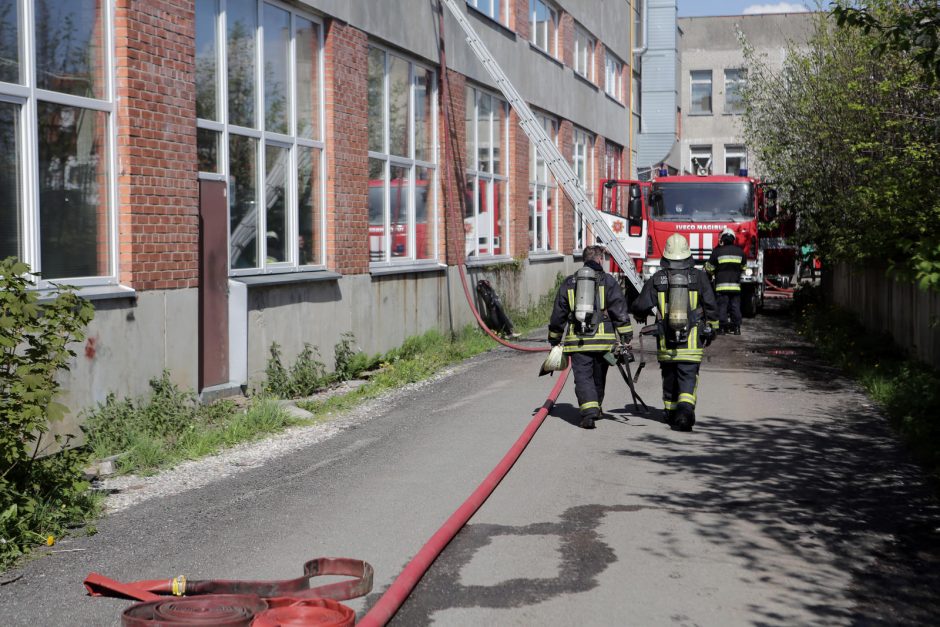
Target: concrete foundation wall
{"points": [[910, 315]]}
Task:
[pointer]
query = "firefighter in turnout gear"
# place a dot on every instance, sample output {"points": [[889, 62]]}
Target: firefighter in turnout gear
{"points": [[592, 306], [687, 321], [726, 265]]}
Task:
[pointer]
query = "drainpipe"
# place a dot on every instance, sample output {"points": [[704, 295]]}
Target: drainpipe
{"points": [[646, 28]]}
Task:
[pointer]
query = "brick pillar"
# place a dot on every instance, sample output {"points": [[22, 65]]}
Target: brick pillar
{"points": [[566, 207], [566, 38], [346, 52], [158, 192], [518, 151], [519, 18], [453, 167]]}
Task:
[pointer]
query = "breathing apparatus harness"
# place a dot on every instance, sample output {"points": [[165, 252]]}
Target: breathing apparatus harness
{"points": [[587, 315]]}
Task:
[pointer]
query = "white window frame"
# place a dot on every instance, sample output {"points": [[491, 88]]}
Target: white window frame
{"points": [[26, 96], [735, 151], [697, 77], [698, 153], [411, 163], [551, 27], [734, 84], [613, 77], [584, 52], [543, 187], [613, 158], [582, 162], [292, 141], [503, 10], [475, 174]]}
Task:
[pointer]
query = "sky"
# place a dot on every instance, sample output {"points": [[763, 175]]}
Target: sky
{"points": [[690, 8]]}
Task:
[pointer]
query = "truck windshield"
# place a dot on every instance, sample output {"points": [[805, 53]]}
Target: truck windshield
{"points": [[703, 202]]}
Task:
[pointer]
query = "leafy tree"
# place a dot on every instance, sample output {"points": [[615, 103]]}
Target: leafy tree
{"points": [[851, 141]]}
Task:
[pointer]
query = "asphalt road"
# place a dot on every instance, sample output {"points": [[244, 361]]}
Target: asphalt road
{"points": [[789, 504]]}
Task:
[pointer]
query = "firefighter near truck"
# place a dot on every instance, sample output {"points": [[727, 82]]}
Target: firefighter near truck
{"points": [[700, 208]]}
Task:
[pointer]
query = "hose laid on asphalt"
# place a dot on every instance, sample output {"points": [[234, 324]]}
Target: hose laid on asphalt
{"points": [[398, 592]]}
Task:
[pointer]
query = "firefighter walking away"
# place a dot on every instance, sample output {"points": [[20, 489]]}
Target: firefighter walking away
{"points": [[592, 306], [726, 264], [687, 320]]}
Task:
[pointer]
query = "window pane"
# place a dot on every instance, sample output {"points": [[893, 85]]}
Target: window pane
{"points": [[376, 210], [276, 183], [469, 117], [308, 205], [11, 193], [9, 42], [399, 192], [470, 228], [206, 60], [73, 191], [376, 100], [497, 197], [734, 83], [307, 43], [424, 230], [701, 101], [208, 148], [70, 53], [499, 127], [276, 66], [243, 201], [424, 121], [399, 89], [242, 25], [485, 103]]}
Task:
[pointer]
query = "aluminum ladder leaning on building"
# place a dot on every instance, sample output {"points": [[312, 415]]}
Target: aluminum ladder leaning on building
{"points": [[556, 162]]}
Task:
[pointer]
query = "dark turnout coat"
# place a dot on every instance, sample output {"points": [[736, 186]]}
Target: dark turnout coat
{"points": [[609, 301]]}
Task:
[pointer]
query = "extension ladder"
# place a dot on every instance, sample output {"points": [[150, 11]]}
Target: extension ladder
{"points": [[546, 147]]}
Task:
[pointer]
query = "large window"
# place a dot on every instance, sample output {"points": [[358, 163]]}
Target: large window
{"points": [[582, 162], [496, 9], [486, 210], [259, 107], [543, 19], [613, 82], [701, 90], [584, 53], [613, 161], [56, 138], [543, 194], [735, 160], [402, 159], [734, 85]]}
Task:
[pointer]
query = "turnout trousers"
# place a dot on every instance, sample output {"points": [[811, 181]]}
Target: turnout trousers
{"points": [[680, 382], [732, 301], [590, 380]]}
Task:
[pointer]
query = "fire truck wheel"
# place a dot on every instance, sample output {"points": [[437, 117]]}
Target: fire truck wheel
{"points": [[750, 301]]}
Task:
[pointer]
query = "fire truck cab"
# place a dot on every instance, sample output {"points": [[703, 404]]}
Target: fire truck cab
{"points": [[624, 206], [701, 207]]}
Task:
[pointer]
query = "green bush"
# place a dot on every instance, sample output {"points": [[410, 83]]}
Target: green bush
{"points": [[39, 496]]}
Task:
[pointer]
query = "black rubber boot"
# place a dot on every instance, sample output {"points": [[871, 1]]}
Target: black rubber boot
{"points": [[737, 329], [684, 418], [587, 421]]}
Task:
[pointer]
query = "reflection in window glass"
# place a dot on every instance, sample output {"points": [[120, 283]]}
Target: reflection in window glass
{"points": [[242, 23], [9, 42], [276, 184], [398, 106], [243, 201], [376, 89], [207, 70], [73, 191], [308, 206], [424, 148], [734, 87], [307, 45], [11, 192], [542, 191], [208, 147], [485, 113], [376, 210], [424, 236], [701, 87], [399, 201], [469, 117], [276, 66], [70, 55]]}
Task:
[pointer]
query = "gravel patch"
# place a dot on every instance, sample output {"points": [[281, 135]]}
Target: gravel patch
{"points": [[128, 490]]}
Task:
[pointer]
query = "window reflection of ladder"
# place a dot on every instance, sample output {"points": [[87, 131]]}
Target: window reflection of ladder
{"points": [[556, 162]]}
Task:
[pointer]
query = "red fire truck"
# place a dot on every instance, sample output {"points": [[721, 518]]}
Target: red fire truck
{"points": [[624, 206], [700, 207], [398, 220]]}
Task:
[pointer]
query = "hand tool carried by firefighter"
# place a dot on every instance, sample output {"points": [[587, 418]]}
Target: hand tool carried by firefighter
{"points": [[621, 356]]}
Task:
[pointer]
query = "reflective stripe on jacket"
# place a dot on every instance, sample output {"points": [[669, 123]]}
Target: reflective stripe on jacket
{"points": [[726, 264]]}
